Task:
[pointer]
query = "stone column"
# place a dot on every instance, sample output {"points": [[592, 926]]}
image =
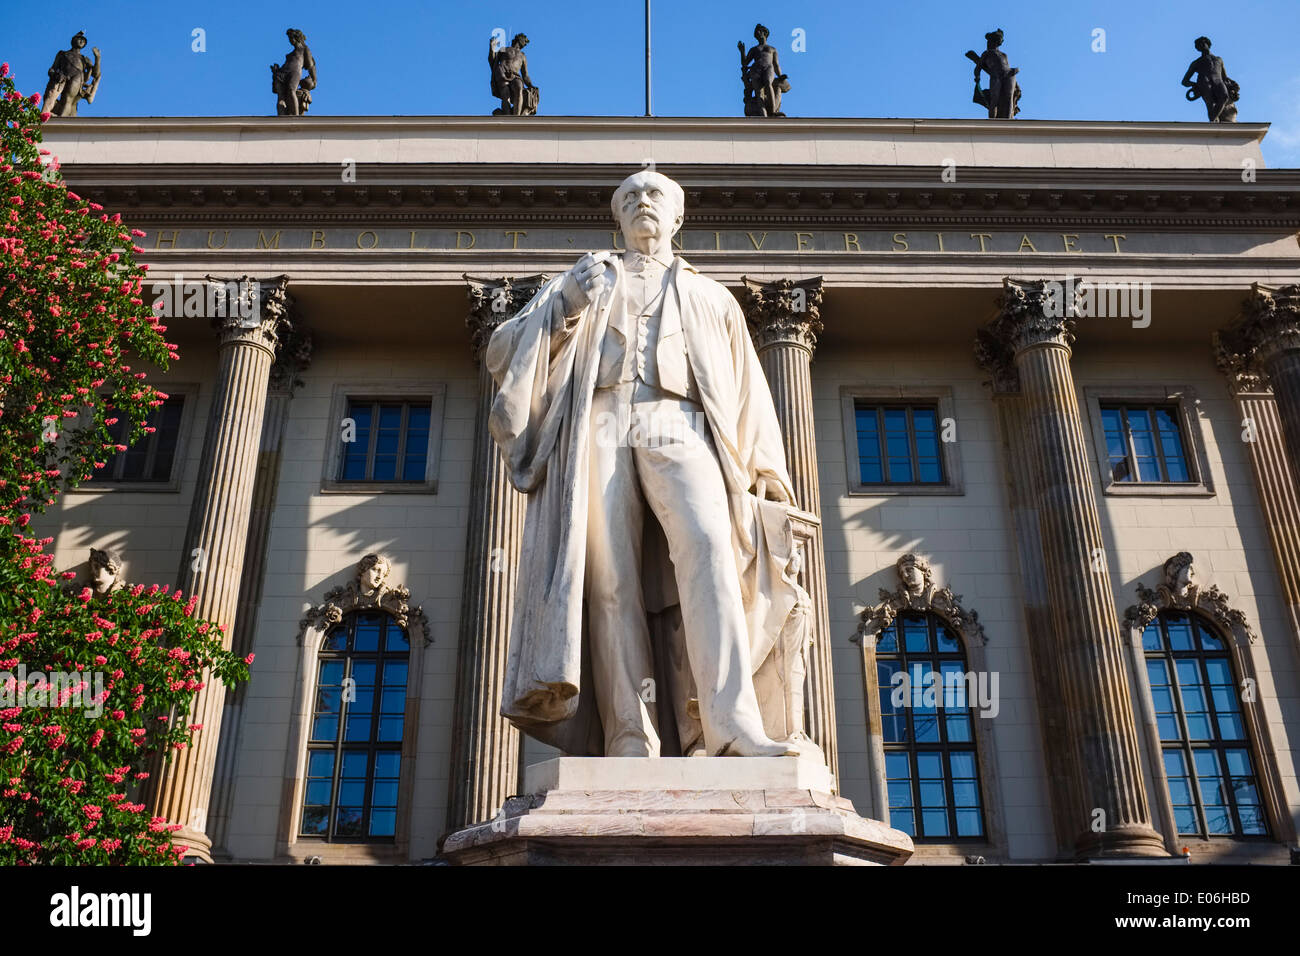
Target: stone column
{"points": [[784, 320], [1110, 816], [486, 747], [215, 543], [293, 358], [1272, 462], [1058, 756]]}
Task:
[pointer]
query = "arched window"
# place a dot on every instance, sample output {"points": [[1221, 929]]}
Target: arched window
{"points": [[1204, 741], [354, 746], [1212, 756], [928, 728]]}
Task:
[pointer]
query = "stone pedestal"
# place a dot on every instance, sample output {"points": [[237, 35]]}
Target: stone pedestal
{"points": [[674, 811]]}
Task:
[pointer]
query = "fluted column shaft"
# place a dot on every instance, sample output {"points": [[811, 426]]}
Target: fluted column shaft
{"points": [[1284, 375], [1058, 755], [1260, 356], [294, 356], [486, 748], [1111, 816], [213, 560], [785, 319]]}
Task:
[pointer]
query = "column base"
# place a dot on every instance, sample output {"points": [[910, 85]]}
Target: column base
{"points": [[198, 846], [678, 811], [1121, 842]]}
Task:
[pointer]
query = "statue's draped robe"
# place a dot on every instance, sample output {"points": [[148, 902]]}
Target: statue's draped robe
{"points": [[541, 420]]}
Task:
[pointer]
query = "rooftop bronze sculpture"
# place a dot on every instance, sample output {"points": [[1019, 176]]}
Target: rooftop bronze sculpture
{"points": [[1002, 98], [510, 81], [293, 82], [760, 71], [1212, 85], [73, 77]]}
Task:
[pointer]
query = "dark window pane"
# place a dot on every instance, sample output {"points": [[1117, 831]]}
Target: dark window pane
{"points": [[1171, 444], [383, 823], [887, 643], [395, 639], [151, 459], [315, 820], [367, 636]]}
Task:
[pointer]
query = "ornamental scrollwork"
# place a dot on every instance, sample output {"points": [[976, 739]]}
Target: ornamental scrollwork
{"points": [[1179, 591], [916, 592], [370, 589]]}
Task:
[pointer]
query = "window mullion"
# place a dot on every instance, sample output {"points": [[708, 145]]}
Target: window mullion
{"points": [[373, 441], [910, 425], [1160, 447], [403, 436], [1132, 446], [338, 743], [882, 442]]}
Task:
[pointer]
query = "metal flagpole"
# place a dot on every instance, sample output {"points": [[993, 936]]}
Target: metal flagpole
{"points": [[647, 57]]}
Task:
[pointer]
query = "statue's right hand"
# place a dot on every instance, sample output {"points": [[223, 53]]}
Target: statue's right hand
{"points": [[583, 282]]}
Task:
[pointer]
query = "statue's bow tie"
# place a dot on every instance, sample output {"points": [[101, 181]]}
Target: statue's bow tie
{"points": [[637, 262]]}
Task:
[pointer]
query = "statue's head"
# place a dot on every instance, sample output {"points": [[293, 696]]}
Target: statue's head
{"points": [[648, 205], [1203, 44], [913, 573], [372, 572], [79, 40], [105, 566], [994, 39], [761, 33], [520, 40], [296, 37], [1179, 573]]}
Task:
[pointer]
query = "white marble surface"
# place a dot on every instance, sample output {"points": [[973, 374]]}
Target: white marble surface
{"points": [[677, 773]]}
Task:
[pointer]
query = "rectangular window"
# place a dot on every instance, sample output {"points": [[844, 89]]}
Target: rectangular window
{"points": [[152, 458], [1144, 443], [390, 441], [898, 444]]}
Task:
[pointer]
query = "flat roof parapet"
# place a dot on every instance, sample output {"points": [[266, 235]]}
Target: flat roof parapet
{"points": [[670, 141]]}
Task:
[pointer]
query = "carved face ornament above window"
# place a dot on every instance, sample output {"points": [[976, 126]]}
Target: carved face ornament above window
{"points": [[369, 589], [916, 592]]}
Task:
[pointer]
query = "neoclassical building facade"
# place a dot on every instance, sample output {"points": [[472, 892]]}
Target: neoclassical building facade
{"points": [[1051, 531]]}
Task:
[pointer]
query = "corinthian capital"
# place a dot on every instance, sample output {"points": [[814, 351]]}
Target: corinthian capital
{"points": [[1270, 326], [293, 357], [492, 301], [783, 311], [248, 311], [1030, 312]]}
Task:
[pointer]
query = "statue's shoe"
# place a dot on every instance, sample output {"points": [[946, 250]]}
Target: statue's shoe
{"points": [[742, 747], [805, 746]]}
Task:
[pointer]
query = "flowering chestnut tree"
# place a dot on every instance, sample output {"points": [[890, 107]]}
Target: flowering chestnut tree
{"points": [[75, 755]]}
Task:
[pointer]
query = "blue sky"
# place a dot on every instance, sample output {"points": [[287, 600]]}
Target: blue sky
{"points": [[861, 59]]}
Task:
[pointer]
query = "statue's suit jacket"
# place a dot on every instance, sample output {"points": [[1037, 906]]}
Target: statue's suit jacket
{"points": [[541, 421]]}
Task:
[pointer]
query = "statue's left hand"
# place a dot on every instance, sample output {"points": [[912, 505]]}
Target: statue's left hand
{"points": [[760, 491]]}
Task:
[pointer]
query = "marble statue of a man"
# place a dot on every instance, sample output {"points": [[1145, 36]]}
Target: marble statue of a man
{"points": [[634, 413]]}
